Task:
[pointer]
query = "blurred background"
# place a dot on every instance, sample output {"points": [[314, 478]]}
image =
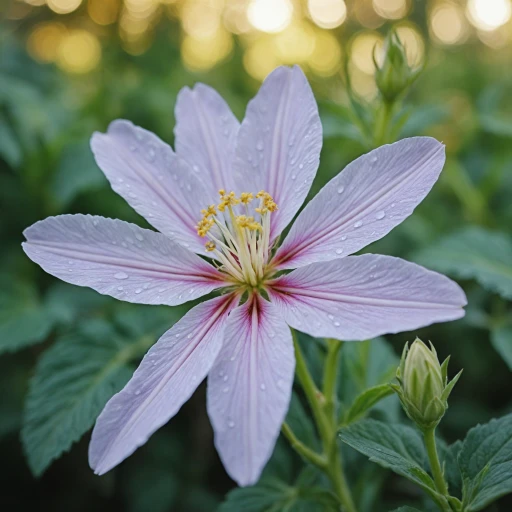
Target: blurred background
{"points": [[69, 67]]}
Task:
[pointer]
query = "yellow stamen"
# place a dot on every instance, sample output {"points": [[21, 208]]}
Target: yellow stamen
{"points": [[210, 246]]}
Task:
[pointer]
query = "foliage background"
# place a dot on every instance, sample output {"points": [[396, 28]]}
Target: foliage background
{"points": [[64, 350]]}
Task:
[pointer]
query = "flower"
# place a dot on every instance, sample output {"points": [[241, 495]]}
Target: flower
{"points": [[220, 202], [423, 384]]}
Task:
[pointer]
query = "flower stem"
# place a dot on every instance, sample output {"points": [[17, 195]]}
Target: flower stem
{"points": [[383, 123], [429, 437], [306, 452], [323, 407]]}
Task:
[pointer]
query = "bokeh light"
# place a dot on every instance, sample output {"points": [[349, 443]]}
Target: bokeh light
{"points": [[260, 58], [201, 54], [63, 6], [78, 52], [270, 15], [448, 24], [413, 42], [489, 14], [201, 19], [327, 13], [103, 12], [326, 57], [362, 49], [391, 9], [235, 17], [295, 44], [44, 40]]}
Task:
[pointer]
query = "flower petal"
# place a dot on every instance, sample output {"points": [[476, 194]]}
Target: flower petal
{"points": [[249, 388], [279, 143], [119, 259], [154, 181], [363, 203], [360, 297], [166, 378], [206, 132]]}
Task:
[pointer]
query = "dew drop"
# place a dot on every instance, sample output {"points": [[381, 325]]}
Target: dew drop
{"points": [[374, 159], [380, 215], [121, 275], [225, 390], [232, 358], [294, 177], [393, 205], [301, 166], [132, 195], [70, 270], [340, 190], [138, 290], [262, 387], [358, 224], [259, 145], [231, 424], [137, 392], [337, 324], [95, 222], [343, 238], [189, 336], [225, 378], [339, 251], [280, 383], [139, 237], [120, 288]]}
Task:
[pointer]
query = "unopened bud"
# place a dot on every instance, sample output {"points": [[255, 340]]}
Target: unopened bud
{"points": [[395, 75], [423, 384]]}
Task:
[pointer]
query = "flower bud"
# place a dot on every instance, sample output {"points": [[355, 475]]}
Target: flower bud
{"points": [[423, 384], [395, 75]]}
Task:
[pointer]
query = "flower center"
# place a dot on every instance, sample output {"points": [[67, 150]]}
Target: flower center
{"points": [[238, 235]]}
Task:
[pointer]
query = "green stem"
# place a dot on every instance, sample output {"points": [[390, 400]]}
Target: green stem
{"points": [[429, 437], [383, 123], [323, 407], [330, 374], [306, 452]]}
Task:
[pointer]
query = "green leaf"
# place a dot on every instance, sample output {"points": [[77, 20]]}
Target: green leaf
{"points": [[474, 253], [366, 365], [301, 424], [405, 509], [394, 446], [23, 319], [72, 382], [365, 401], [448, 455], [77, 172], [485, 462], [501, 338]]}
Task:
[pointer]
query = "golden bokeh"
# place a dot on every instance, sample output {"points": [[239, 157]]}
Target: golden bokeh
{"points": [[103, 12], [44, 40], [327, 13], [270, 15], [295, 44], [448, 24], [63, 6], [260, 58], [201, 19], [391, 9], [78, 52], [489, 14], [326, 57], [362, 48], [201, 54], [235, 17]]}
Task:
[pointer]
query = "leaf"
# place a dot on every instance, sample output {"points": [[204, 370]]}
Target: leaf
{"points": [[406, 509], [448, 455], [501, 338], [485, 462], [365, 401], [365, 365], [72, 382], [23, 319], [474, 253], [394, 446], [77, 172]]}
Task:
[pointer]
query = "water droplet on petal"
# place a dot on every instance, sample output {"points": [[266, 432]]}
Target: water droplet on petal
{"points": [[340, 190], [374, 159], [137, 392], [132, 195], [339, 251], [380, 215], [259, 145], [225, 378], [262, 387], [330, 317], [120, 288], [226, 389], [121, 275], [138, 290], [358, 224], [337, 324], [231, 424], [343, 238], [139, 237]]}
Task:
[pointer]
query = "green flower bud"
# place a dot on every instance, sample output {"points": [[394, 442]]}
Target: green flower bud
{"points": [[423, 384], [395, 75]]}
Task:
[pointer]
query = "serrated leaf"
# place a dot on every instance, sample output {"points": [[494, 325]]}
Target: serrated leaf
{"points": [[485, 462], [501, 339], [23, 319], [474, 253], [72, 382], [365, 401], [394, 446]]}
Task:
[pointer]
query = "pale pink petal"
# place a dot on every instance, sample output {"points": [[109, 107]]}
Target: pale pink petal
{"points": [[360, 297], [119, 259], [249, 388], [153, 180], [279, 143], [168, 375], [364, 202], [206, 131]]}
